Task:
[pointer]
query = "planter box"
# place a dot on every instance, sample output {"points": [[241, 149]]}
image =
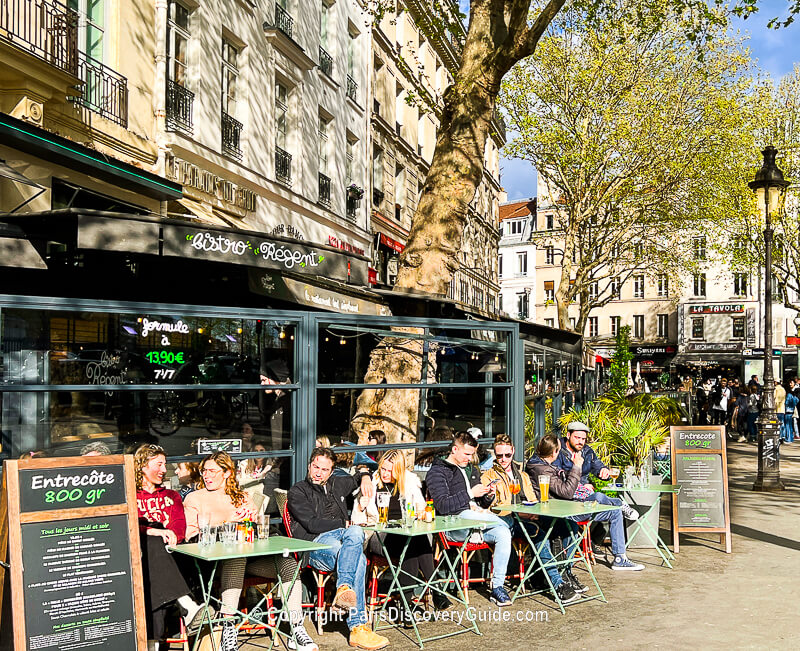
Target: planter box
{"points": [[641, 502]]}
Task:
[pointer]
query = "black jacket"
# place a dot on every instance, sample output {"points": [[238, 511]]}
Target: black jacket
{"points": [[448, 491], [307, 505]]}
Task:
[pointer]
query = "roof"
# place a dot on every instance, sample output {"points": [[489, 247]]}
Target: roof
{"points": [[523, 208]]}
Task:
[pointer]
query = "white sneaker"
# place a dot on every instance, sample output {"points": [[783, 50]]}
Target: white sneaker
{"points": [[304, 641], [629, 513]]}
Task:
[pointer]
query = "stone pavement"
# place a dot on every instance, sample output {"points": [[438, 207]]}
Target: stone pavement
{"points": [[749, 599]]}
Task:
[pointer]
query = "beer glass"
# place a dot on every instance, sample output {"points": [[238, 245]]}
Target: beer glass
{"points": [[544, 488], [382, 500]]}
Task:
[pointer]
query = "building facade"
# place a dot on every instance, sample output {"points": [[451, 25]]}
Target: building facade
{"points": [[413, 61], [516, 262]]}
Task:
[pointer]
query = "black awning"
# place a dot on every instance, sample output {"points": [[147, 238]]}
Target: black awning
{"points": [[44, 144], [708, 358]]}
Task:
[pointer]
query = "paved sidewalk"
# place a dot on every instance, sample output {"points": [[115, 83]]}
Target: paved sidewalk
{"points": [[749, 599]]}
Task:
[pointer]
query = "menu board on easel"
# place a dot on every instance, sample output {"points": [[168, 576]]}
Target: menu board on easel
{"points": [[700, 467], [72, 538]]}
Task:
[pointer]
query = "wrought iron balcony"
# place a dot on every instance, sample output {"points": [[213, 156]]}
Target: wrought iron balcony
{"points": [[44, 28], [352, 88], [105, 91], [283, 21], [324, 190], [179, 108], [283, 166], [325, 62], [231, 136], [377, 197], [352, 207]]}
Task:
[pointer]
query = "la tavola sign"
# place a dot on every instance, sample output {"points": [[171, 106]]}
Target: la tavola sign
{"points": [[189, 174]]}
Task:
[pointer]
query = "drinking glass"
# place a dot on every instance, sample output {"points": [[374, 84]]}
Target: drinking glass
{"points": [[228, 533], [382, 499], [544, 488], [262, 524], [614, 474]]}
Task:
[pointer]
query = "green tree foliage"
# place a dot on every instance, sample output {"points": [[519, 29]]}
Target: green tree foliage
{"points": [[620, 370], [641, 138]]}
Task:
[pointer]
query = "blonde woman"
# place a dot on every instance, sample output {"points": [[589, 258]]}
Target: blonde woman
{"points": [[394, 478], [161, 523], [222, 500]]}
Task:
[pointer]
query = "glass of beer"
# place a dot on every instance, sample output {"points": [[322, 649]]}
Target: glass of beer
{"points": [[382, 499], [614, 473], [544, 488]]}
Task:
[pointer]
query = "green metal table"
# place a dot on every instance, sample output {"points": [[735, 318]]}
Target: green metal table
{"points": [[216, 552], [554, 509], [642, 523], [442, 524]]}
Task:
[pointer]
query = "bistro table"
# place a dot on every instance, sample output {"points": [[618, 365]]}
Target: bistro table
{"points": [[643, 524], [218, 551], [441, 524], [554, 509]]}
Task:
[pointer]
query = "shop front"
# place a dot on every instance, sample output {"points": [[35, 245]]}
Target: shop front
{"points": [[701, 361], [652, 361]]}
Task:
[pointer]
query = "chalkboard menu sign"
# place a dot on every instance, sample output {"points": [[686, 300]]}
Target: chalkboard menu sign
{"points": [[699, 465], [72, 536]]}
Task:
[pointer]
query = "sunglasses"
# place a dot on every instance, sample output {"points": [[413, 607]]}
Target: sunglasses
{"points": [[505, 455]]}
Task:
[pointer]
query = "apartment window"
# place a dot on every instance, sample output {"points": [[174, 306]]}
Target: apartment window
{"points": [[699, 248], [399, 191], [663, 325], [550, 322], [350, 156], [549, 291], [477, 294], [549, 255], [697, 327], [549, 221], [662, 283], [614, 287], [740, 284], [638, 326], [377, 176], [230, 76], [323, 25], [522, 263], [90, 26], [699, 284], [522, 305], [573, 322], [592, 326], [615, 323], [179, 99], [738, 327], [283, 159], [594, 291], [463, 291], [499, 266], [638, 250], [514, 227], [615, 250], [638, 286]]}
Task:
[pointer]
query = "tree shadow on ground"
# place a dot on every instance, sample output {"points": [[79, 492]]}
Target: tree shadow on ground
{"points": [[762, 536]]}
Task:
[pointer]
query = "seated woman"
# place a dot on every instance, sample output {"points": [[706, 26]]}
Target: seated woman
{"points": [[222, 500], [394, 478], [161, 523]]}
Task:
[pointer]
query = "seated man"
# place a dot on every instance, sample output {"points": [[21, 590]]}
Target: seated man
{"points": [[506, 472], [455, 487], [563, 485], [318, 506]]}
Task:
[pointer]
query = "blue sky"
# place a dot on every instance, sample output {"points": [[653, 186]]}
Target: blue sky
{"points": [[776, 51]]}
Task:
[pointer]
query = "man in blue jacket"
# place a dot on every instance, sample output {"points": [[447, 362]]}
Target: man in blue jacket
{"points": [[455, 487]]}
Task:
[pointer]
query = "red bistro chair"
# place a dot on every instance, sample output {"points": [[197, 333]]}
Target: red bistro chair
{"points": [[466, 552]]}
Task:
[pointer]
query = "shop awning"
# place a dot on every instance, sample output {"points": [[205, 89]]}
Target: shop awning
{"points": [[20, 253], [708, 358], [48, 146], [205, 214]]}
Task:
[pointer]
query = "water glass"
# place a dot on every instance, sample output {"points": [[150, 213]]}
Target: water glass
{"points": [[262, 523], [228, 533], [208, 536]]}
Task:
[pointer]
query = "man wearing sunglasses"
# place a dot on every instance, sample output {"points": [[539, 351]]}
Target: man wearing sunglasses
{"points": [[513, 486]]}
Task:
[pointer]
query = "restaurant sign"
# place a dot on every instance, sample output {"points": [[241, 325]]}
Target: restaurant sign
{"points": [[190, 175], [724, 308], [731, 347], [653, 350], [255, 251]]}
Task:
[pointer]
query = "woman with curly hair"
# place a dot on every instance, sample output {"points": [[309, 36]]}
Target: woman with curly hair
{"points": [[161, 523], [222, 500]]}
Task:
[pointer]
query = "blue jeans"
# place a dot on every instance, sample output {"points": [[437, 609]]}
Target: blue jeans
{"points": [[498, 535], [346, 557], [787, 432], [615, 521], [752, 431], [537, 532]]}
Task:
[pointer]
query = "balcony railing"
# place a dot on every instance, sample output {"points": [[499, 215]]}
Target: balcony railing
{"points": [[179, 108], [46, 29], [283, 21], [283, 166], [231, 136], [352, 207], [377, 197], [352, 88], [324, 190], [104, 91], [325, 62]]}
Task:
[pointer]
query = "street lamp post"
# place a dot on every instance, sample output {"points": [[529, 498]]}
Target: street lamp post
{"points": [[768, 185]]}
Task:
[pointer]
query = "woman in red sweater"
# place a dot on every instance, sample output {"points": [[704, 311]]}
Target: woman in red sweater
{"points": [[161, 523]]}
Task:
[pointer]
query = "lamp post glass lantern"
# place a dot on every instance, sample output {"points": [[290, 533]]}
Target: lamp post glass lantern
{"points": [[769, 186]]}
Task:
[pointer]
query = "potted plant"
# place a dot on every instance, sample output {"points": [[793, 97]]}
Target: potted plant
{"points": [[354, 191]]}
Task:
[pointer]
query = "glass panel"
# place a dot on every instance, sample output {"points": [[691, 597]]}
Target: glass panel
{"points": [[345, 354], [470, 355], [49, 347], [61, 423], [462, 408]]}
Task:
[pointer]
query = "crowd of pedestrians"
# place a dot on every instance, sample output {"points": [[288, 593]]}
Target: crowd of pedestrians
{"points": [[738, 406]]}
